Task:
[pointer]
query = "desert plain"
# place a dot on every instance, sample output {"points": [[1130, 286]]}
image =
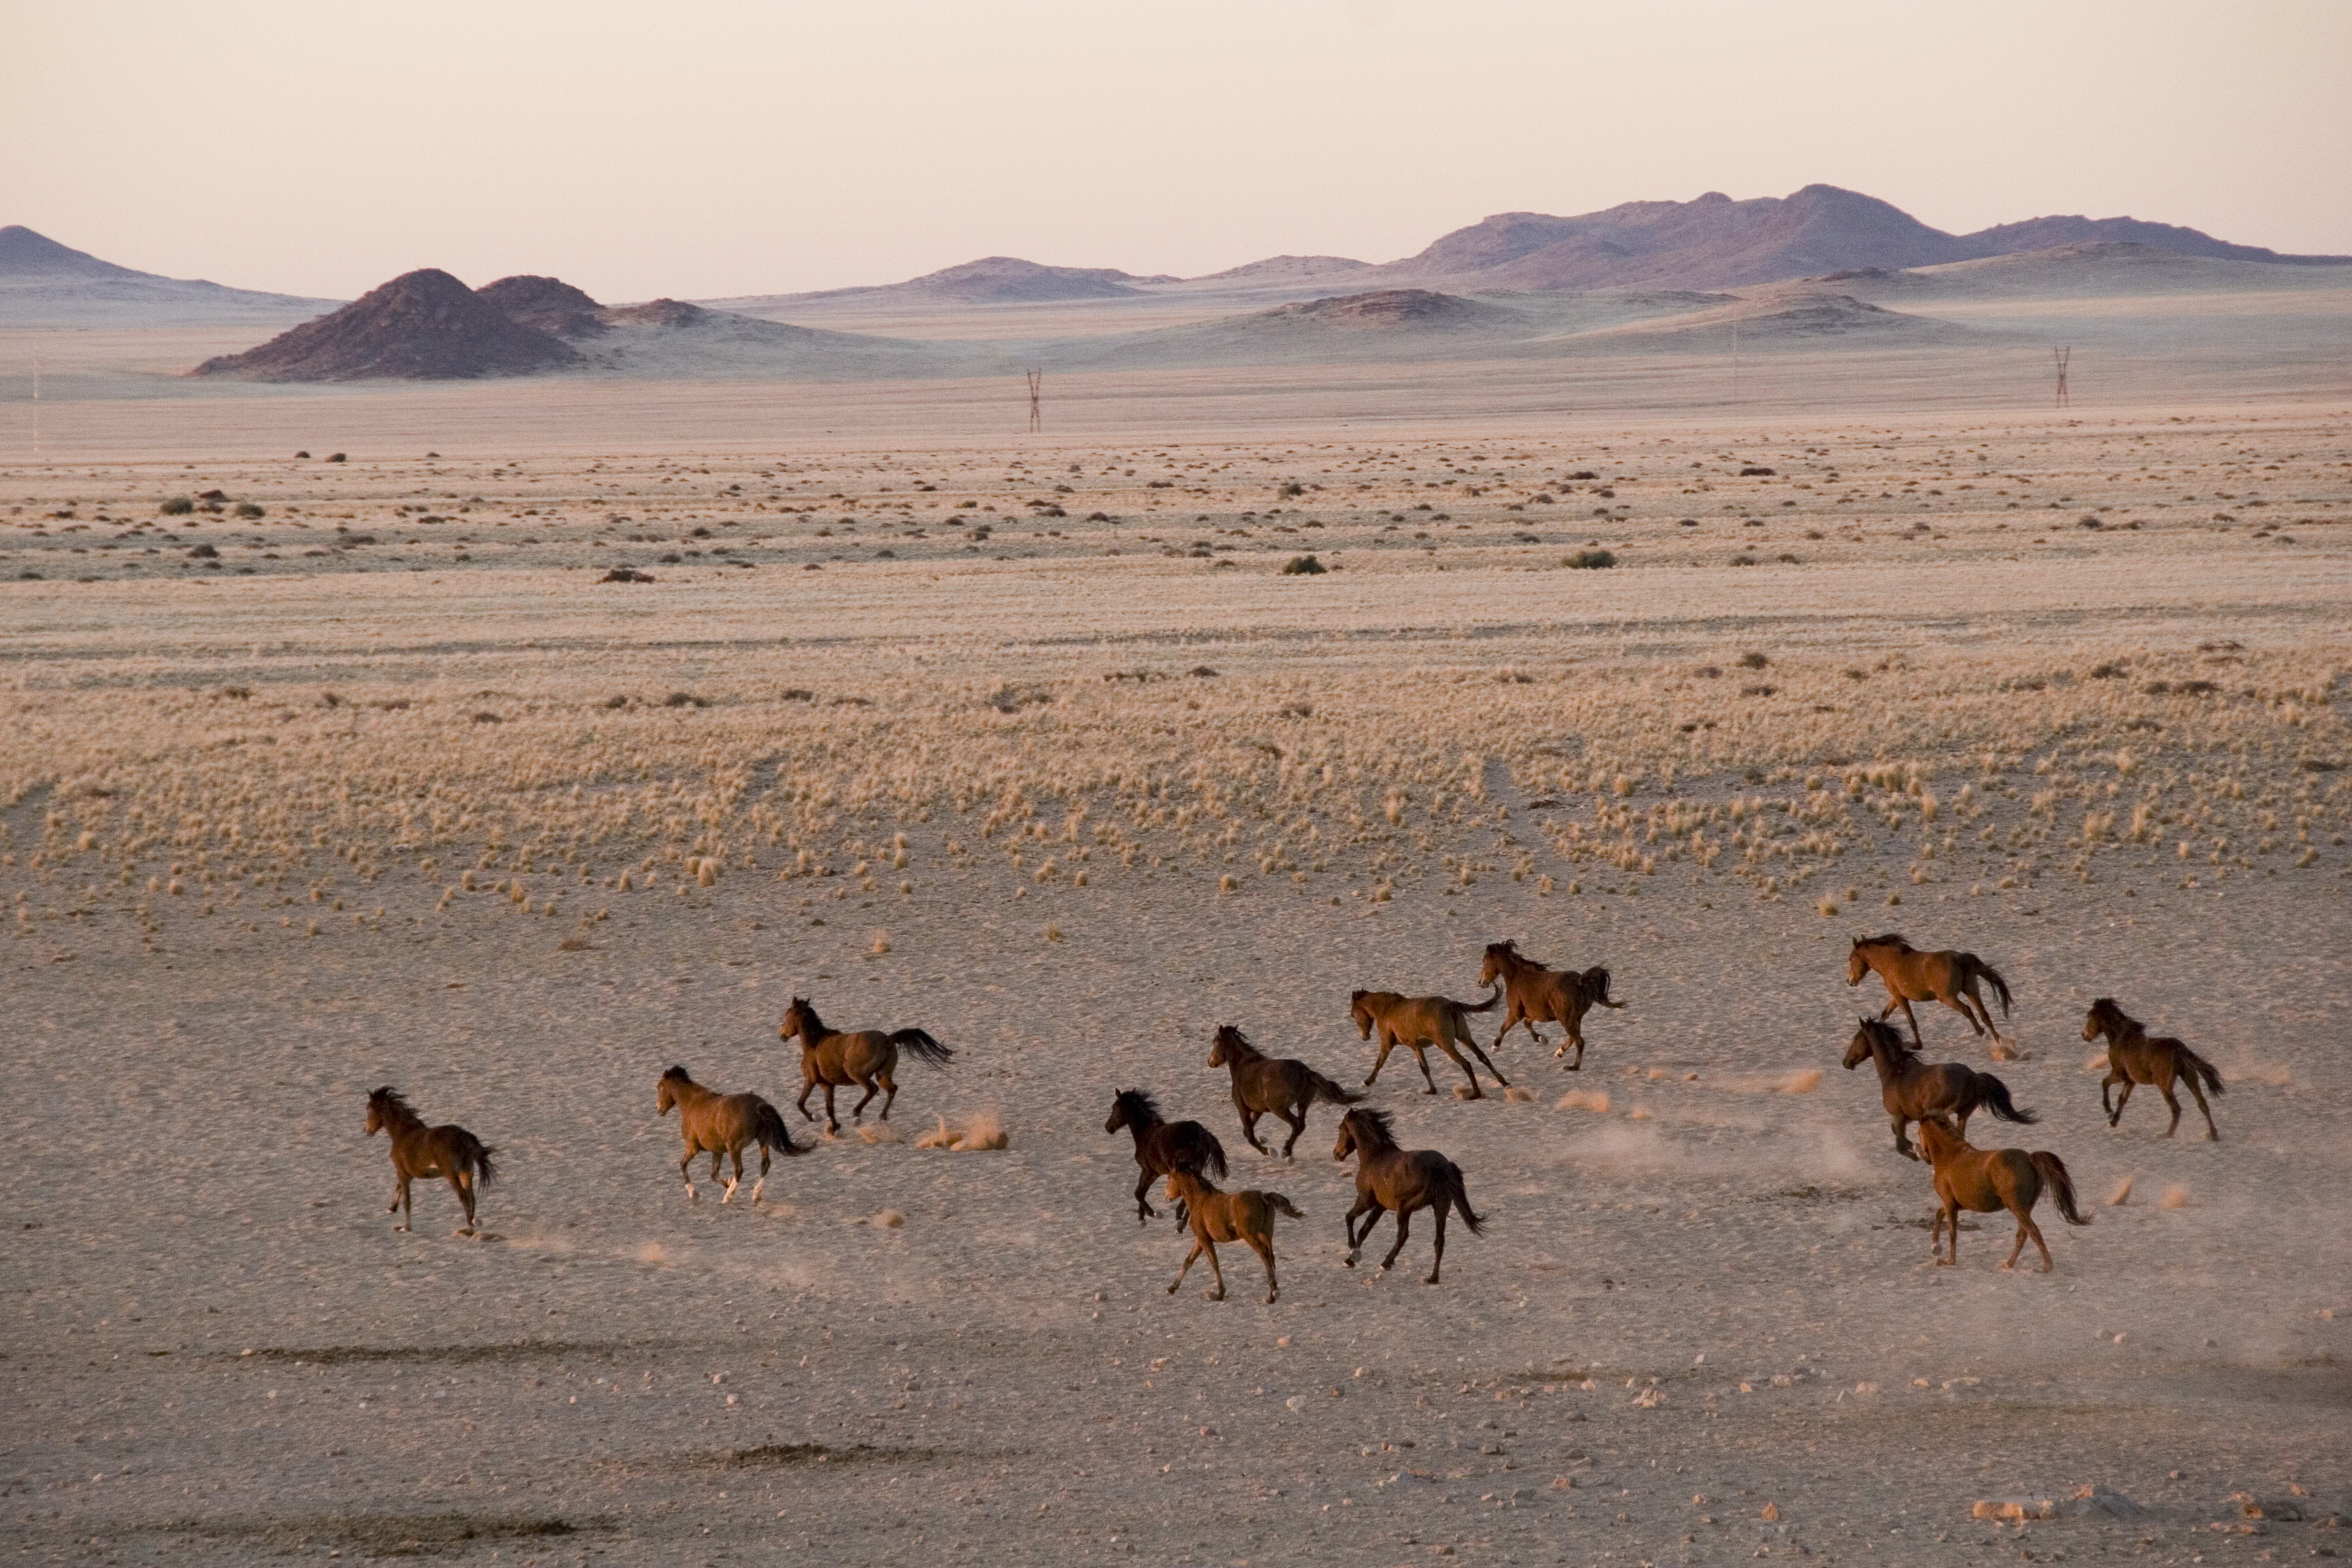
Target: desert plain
{"points": [[385, 770]]}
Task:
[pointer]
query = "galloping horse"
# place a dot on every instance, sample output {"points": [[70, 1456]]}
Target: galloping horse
{"points": [[1262, 1083], [1399, 1181], [1912, 1091], [1911, 976], [1987, 1181], [2135, 1057], [1538, 994], [1417, 1023], [1246, 1217], [866, 1057], [420, 1151], [1162, 1147], [722, 1124]]}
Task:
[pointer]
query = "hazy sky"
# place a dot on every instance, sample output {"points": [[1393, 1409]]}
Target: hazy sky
{"points": [[739, 146]]}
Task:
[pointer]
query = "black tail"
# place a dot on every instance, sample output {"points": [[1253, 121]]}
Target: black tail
{"points": [[1323, 1089], [1596, 985], [2193, 1062], [1999, 986], [478, 1153], [1281, 1205], [1462, 1198], [2062, 1186], [917, 1043], [1995, 1095], [768, 1127], [1201, 1146], [1488, 1005]]}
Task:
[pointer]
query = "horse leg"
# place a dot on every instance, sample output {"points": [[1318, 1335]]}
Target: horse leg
{"points": [[2172, 1100], [1444, 1206], [1249, 1131], [459, 1185], [1951, 1216], [832, 1122], [686, 1169], [1421, 1058], [2212, 1133], [1404, 1228], [1296, 1117], [889, 1092], [872, 1087], [762, 1181], [407, 1213], [1952, 1000], [1482, 1056], [1576, 1038], [1143, 1204], [1263, 1247], [1903, 1142], [1905, 1002], [1216, 1269], [1388, 1044], [2122, 1099], [802, 1101], [1188, 1267], [1356, 1243], [733, 1181]]}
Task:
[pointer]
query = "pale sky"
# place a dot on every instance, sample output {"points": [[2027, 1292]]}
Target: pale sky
{"points": [[702, 148]]}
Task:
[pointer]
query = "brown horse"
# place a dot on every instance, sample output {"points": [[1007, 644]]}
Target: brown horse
{"points": [[1245, 1216], [1987, 1181], [722, 1124], [1914, 976], [866, 1057], [1912, 1091], [2135, 1057], [1540, 996], [1399, 1181], [1162, 1148], [420, 1151], [1264, 1084], [1417, 1023]]}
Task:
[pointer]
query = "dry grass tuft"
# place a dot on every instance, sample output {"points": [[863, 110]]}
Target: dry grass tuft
{"points": [[1595, 1100]]}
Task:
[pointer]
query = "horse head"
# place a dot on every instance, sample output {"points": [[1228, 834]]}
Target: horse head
{"points": [[665, 1093], [1500, 956], [1939, 1137], [385, 1108], [2104, 1015], [1361, 1013], [1228, 1045], [798, 1019], [1856, 965]]}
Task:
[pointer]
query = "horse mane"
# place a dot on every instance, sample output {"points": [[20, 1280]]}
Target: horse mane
{"points": [[1237, 1042], [1374, 1129], [1890, 938], [1503, 949], [390, 1098], [679, 1073], [1141, 1110], [1886, 1033], [807, 1010]]}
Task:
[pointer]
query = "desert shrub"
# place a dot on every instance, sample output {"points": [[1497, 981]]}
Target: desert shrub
{"points": [[178, 506], [337, 457], [1303, 566], [1753, 661], [1288, 490], [246, 509], [1589, 559], [204, 552]]}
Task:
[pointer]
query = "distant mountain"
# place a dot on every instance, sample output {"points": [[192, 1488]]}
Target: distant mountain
{"points": [[45, 284], [991, 281], [1284, 268], [2045, 233], [422, 326]]}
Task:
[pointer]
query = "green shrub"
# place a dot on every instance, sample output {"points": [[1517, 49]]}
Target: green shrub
{"points": [[246, 509], [178, 506], [1589, 559], [1304, 566]]}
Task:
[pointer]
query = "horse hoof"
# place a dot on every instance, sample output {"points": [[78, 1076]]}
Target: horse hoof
{"points": [[1272, 1297], [1172, 1289], [1431, 1280], [1216, 1295]]}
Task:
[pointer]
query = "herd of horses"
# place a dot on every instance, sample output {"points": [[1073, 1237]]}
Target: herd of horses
{"points": [[1187, 1160]]}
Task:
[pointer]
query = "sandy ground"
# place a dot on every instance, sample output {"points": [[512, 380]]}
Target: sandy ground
{"points": [[390, 787]]}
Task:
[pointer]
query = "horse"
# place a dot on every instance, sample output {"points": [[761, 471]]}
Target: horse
{"points": [[1912, 1091], [1162, 1148], [1540, 996], [722, 1124], [1989, 1180], [1390, 1179], [1417, 1023], [1216, 1216], [1263, 1083], [1914, 976], [2135, 1057], [866, 1057], [420, 1151]]}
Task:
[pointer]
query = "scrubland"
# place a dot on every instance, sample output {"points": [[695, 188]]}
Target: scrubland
{"points": [[1044, 752]]}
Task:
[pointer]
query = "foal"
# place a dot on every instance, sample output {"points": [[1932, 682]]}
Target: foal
{"points": [[1162, 1148], [722, 1124], [1262, 1083], [2134, 1057], [1390, 1179], [1417, 1023], [1245, 1216], [1911, 1090], [420, 1151], [1987, 1181]]}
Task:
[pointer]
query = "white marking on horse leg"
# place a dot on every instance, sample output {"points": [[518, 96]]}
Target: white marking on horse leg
{"points": [[689, 1191], [756, 1186], [728, 1195]]}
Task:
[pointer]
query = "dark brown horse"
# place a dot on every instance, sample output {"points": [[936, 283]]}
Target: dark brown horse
{"points": [[1912, 975], [1986, 1180], [1390, 1180], [1264, 1084], [866, 1057], [1540, 996], [1418, 1023], [1162, 1148], [1214, 1216], [2135, 1057], [420, 1151], [722, 1124], [1911, 1090]]}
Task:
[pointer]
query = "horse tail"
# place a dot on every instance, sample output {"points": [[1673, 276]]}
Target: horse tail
{"points": [[473, 1151], [2062, 1186], [1995, 1095], [1461, 1196], [1596, 985], [2191, 1062], [768, 1127], [1323, 1089], [918, 1044], [1281, 1205], [1213, 1153], [1978, 966], [1488, 1005]]}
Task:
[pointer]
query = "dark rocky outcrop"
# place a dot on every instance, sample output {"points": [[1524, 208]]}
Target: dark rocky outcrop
{"points": [[550, 304], [422, 326]]}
